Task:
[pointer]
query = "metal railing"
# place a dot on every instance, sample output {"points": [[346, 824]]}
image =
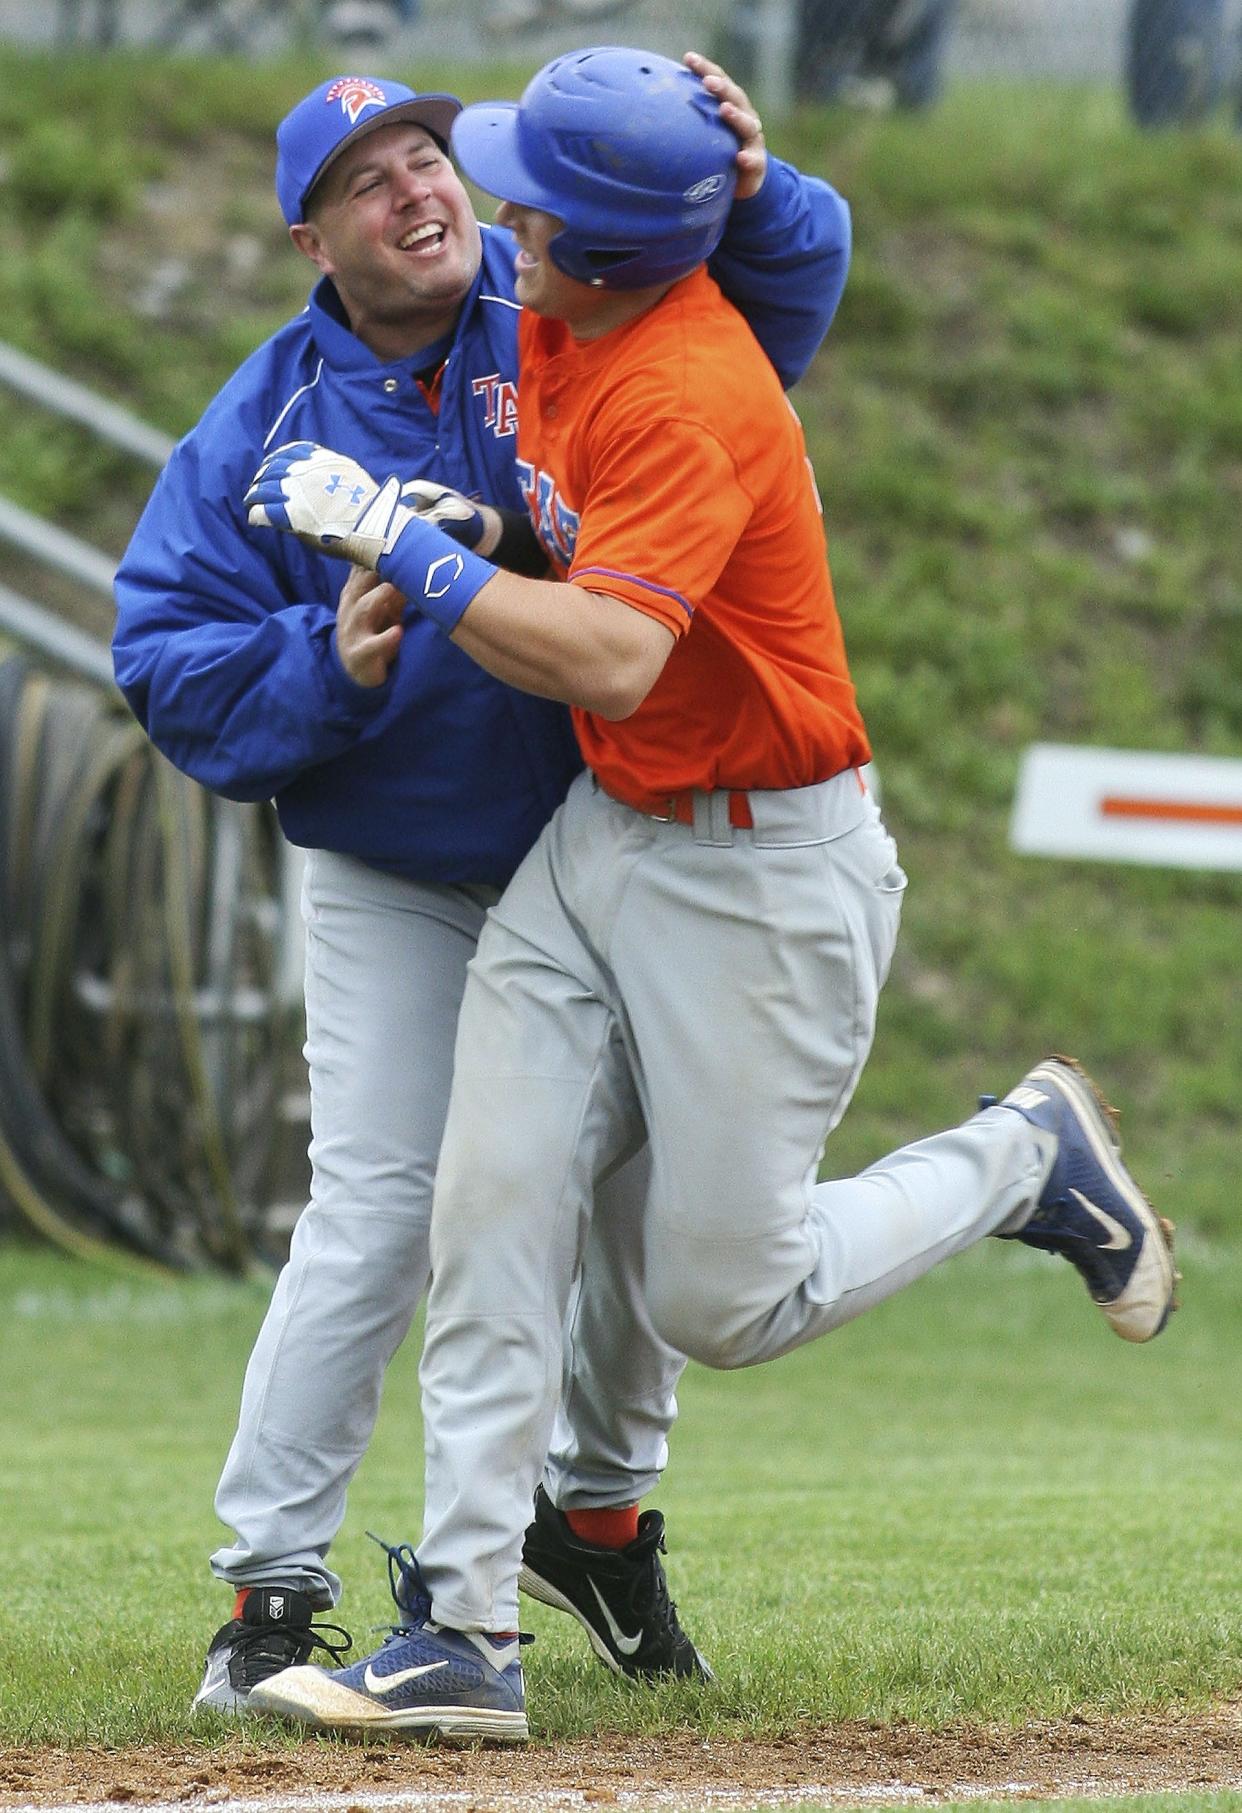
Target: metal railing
{"points": [[29, 623], [75, 403], [48, 635]]}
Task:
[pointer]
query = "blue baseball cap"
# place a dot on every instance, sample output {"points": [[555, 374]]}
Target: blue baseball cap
{"points": [[332, 116]]}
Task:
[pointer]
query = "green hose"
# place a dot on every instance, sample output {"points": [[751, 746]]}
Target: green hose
{"points": [[140, 1011]]}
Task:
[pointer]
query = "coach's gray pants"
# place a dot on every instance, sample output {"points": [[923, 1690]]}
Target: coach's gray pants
{"points": [[385, 970], [720, 986]]}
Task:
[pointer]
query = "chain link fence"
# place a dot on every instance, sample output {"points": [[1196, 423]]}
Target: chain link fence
{"points": [[1174, 60]]}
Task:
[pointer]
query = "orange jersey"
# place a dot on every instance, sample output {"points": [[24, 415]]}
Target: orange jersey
{"points": [[664, 466]]}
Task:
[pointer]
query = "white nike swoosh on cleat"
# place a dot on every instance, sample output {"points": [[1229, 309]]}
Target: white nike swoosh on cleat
{"points": [[1119, 1237], [215, 1678], [627, 1645], [382, 1684]]}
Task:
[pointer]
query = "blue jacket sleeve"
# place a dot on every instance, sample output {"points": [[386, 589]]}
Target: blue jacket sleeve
{"points": [[783, 261], [223, 644]]}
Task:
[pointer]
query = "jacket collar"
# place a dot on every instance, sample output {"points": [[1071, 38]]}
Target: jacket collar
{"points": [[346, 353]]}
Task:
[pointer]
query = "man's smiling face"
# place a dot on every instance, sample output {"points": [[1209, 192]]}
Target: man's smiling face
{"points": [[393, 227]]}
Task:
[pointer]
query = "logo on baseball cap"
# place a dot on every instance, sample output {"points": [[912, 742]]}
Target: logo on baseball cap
{"points": [[332, 116]]}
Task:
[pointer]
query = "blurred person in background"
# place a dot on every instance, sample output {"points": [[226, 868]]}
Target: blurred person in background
{"points": [[885, 52], [72, 26], [250, 661], [877, 53], [544, 15], [1177, 60], [367, 24]]}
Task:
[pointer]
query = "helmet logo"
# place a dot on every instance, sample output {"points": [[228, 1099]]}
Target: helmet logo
{"points": [[356, 94], [703, 191]]}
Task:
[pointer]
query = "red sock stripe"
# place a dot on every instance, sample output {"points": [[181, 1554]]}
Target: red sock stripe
{"points": [[610, 1529]]}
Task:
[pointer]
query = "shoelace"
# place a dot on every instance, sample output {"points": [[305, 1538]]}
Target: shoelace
{"points": [[409, 1591], [647, 1593], [650, 1598], [286, 1646], [406, 1584]]}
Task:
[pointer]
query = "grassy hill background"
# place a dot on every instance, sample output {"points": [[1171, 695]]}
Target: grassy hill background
{"points": [[1027, 430]]}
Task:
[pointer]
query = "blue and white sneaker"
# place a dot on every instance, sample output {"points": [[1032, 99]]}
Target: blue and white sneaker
{"points": [[424, 1678], [1091, 1211]]}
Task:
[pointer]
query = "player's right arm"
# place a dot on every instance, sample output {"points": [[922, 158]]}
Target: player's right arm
{"points": [[595, 652], [225, 645], [560, 642]]}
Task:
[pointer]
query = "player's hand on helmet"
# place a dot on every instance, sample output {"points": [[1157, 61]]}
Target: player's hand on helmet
{"points": [[474, 525], [740, 116], [328, 501], [368, 627]]}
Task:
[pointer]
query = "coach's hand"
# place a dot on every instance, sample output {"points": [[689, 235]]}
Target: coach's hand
{"points": [[738, 113], [368, 627], [328, 501]]}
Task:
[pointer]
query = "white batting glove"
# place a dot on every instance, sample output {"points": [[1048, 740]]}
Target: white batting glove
{"points": [[333, 504], [458, 516], [329, 502]]}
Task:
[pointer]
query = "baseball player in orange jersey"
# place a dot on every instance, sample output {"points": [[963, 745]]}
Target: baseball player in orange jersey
{"points": [[696, 946]]}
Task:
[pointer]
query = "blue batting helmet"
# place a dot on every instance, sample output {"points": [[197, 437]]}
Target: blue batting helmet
{"points": [[626, 147]]}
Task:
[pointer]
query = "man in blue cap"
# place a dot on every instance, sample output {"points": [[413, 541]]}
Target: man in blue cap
{"points": [[417, 782]]}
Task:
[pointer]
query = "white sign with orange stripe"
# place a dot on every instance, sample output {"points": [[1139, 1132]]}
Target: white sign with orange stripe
{"points": [[1121, 805]]}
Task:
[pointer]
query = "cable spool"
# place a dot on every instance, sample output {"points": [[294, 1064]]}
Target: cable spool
{"points": [[143, 1036]]}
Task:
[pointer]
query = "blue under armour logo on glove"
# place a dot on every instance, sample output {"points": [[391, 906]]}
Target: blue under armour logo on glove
{"points": [[334, 485], [328, 501]]}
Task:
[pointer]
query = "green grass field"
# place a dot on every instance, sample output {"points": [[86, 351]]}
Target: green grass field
{"points": [[1223, 1802], [1226, 1802], [973, 1503]]}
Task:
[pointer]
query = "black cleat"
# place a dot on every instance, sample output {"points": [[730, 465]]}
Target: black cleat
{"points": [[619, 1596], [274, 1632]]}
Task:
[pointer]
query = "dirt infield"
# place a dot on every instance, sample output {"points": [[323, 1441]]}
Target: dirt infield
{"points": [[843, 1764]]}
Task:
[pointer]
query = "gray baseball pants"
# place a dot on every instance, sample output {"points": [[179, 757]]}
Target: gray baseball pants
{"points": [[718, 987], [385, 971]]}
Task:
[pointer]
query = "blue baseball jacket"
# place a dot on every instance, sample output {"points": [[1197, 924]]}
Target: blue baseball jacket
{"points": [[224, 646]]}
